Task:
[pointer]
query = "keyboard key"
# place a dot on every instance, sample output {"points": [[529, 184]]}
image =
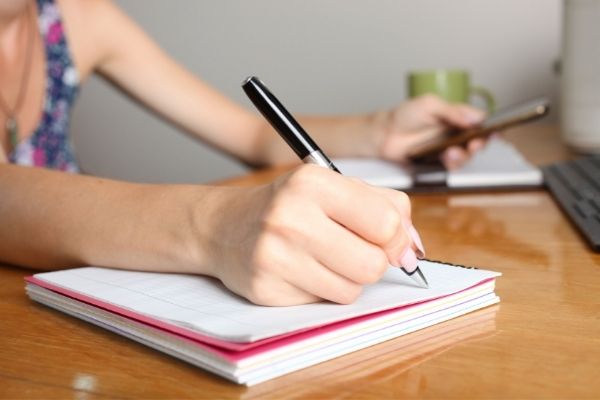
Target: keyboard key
{"points": [[585, 209]]}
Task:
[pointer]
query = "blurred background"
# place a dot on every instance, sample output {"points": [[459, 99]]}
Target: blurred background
{"points": [[318, 57]]}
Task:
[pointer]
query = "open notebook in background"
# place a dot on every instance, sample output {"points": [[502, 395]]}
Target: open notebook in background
{"points": [[498, 165], [197, 319]]}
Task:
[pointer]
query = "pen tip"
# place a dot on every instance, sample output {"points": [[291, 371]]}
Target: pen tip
{"points": [[418, 277]]}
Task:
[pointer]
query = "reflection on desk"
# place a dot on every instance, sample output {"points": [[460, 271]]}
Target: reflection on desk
{"points": [[474, 217]]}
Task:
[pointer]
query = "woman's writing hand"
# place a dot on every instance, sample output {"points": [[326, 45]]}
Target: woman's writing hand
{"points": [[310, 235]]}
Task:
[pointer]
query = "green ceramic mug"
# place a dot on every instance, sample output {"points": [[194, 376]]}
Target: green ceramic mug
{"points": [[453, 85]]}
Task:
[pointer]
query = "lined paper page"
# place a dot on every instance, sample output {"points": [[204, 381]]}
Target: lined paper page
{"points": [[205, 305]]}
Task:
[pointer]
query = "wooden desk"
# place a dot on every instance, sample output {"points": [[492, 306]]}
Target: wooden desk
{"points": [[543, 340]]}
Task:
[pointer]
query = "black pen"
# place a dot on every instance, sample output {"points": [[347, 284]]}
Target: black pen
{"points": [[296, 137]]}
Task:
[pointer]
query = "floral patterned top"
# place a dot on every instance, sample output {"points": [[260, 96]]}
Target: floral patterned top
{"points": [[49, 146]]}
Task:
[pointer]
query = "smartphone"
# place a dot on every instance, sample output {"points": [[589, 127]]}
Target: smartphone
{"points": [[500, 120]]}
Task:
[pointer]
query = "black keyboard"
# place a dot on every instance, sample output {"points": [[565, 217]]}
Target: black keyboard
{"points": [[575, 185]]}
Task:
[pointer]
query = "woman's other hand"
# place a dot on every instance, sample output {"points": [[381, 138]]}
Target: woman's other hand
{"points": [[423, 118]]}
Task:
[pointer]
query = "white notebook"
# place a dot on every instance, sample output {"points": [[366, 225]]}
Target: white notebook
{"points": [[499, 164], [198, 320]]}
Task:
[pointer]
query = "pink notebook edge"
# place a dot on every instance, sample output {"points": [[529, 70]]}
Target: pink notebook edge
{"points": [[227, 346]]}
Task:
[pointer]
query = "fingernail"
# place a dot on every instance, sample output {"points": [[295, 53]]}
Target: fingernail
{"points": [[474, 118], [454, 154], [409, 261], [417, 241]]}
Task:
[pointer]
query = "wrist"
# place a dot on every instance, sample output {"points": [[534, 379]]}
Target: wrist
{"points": [[202, 212], [182, 229], [360, 136], [216, 235], [142, 227], [349, 136], [379, 129]]}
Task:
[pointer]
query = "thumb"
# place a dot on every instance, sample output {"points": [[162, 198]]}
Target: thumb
{"points": [[459, 115]]}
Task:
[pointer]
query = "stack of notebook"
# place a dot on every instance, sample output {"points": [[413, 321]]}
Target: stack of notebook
{"points": [[198, 320], [380, 363]]}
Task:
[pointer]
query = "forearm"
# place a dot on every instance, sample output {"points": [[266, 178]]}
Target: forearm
{"points": [[157, 81], [346, 136], [51, 220], [343, 136], [127, 57]]}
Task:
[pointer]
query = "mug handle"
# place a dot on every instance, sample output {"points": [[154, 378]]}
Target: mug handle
{"points": [[486, 95]]}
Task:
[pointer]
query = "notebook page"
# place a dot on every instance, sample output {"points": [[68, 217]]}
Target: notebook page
{"points": [[205, 305], [376, 172], [497, 164]]}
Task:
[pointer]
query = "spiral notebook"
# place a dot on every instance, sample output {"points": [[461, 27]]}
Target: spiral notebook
{"points": [[198, 320]]}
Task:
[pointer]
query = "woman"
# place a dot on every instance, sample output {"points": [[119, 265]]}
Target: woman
{"points": [[265, 243]]}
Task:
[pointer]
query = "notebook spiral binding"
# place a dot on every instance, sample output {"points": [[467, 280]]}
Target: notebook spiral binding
{"points": [[450, 264]]}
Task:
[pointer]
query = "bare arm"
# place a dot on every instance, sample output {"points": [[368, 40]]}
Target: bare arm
{"points": [[53, 219], [127, 56], [107, 41], [154, 79], [258, 241]]}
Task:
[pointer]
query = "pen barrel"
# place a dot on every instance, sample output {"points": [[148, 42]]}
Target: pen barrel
{"points": [[277, 115]]}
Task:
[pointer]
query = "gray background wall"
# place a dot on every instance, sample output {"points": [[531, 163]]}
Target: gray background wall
{"points": [[334, 56]]}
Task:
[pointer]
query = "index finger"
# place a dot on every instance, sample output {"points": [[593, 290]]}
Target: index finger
{"points": [[364, 210]]}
